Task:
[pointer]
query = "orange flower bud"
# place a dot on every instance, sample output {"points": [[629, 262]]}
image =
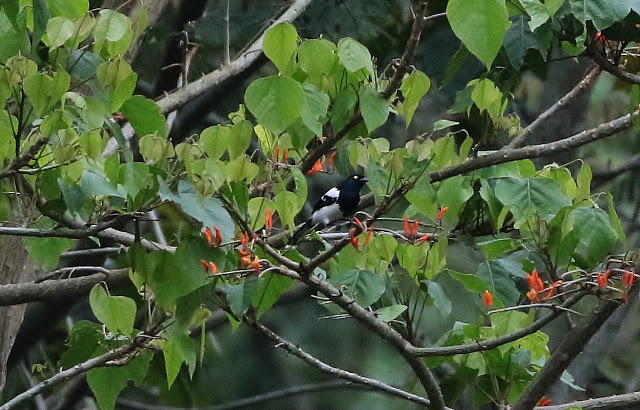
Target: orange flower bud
{"points": [[317, 167], [213, 268], [205, 265], [245, 261], [603, 280], [442, 212], [243, 252], [533, 295], [487, 298], [406, 225], [268, 218], [627, 279], [218, 236], [424, 238], [255, 264], [552, 289], [369, 232], [331, 158], [285, 155], [209, 236], [244, 239], [544, 401], [353, 238], [276, 153]]}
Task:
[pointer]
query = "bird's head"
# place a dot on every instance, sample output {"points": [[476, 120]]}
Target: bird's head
{"points": [[355, 181]]}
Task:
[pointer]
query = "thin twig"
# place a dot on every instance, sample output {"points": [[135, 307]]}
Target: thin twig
{"points": [[626, 400]]}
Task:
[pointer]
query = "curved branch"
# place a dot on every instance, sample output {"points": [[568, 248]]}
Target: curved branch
{"points": [[178, 98], [498, 341], [84, 367], [570, 347], [584, 84], [541, 150], [611, 68], [15, 294], [343, 374], [418, 25]]}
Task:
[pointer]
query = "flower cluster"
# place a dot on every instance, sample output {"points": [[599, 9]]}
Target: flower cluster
{"points": [[536, 286]]}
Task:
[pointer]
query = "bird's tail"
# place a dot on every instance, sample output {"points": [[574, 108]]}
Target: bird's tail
{"points": [[300, 232]]}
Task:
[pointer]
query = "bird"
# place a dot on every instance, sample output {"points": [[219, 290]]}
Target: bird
{"points": [[337, 203]]}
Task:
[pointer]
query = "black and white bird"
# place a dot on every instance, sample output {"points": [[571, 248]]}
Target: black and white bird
{"points": [[337, 203]]}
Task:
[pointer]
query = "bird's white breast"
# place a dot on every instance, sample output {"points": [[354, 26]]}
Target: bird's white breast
{"points": [[326, 214]]}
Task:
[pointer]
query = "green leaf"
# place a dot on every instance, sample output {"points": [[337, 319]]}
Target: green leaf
{"points": [[93, 184], [363, 286], [533, 196], [538, 12], [454, 192], [144, 115], [83, 341], [270, 287], [389, 313], [70, 9], [583, 182], [154, 148], [315, 110], [116, 312], [489, 98], [472, 283], [342, 109], [13, 41], [59, 30], [481, 25], [354, 56], [111, 26], [40, 18], [240, 296], [498, 275], [442, 124], [107, 382], [209, 211], [317, 56], [275, 101], [603, 13], [374, 108], [440, 298], [47, 251], [597, 236], [413, 88], [45, 91], [179, 348], [280, 44], [287, 205]]}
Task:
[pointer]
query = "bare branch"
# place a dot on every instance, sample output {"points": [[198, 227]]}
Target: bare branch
{"points": [[584, 84], [15, 294], [24, 159], [610, 402], [181, 96], [343, 374], [611, 68]]}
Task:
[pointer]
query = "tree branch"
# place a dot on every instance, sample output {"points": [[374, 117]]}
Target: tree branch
{"points": [[535, 151], [333, 371], [15, 294], [24, 159], [489, 344], [570, 347], [84, 367], [178, 98], [610, 402], [611, 68], [584, 84]]}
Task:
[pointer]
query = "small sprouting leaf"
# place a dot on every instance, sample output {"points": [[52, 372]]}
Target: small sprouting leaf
{"points": [[280, 44], [374, 108], [489, 98], [442, 124], [275, 101], [116, 312]]}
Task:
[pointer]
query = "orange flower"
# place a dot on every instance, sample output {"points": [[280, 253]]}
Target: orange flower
{"points": [[244, 239], [603, 280], [627, 279], [317, 167], [331, 158], [285, 155], [357, 221], [369, 232], [268, 218], [544, 401], [600, 37], [552, 290], [245, 261], [353, 238], [424, 238], [487, 298], [533, 295], [213, 268], [415, 228], [255, 264], [276, 153], [205, 265], [209, 236], [441, 213], [534, 281], [218, 235], [406, 225], [243, 252]]}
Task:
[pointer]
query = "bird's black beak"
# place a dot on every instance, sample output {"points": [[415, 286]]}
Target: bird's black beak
{"points": [[364, 180]]}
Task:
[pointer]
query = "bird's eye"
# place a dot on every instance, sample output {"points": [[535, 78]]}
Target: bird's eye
{"points": [[355, 177]]}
